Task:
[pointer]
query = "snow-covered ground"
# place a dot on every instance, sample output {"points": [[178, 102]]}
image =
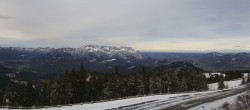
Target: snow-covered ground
{"points": [[153, 102], [147, 102], [230, 84], [216, 104], [150, 102]]}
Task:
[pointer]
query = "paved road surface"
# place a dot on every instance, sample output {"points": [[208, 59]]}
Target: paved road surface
{"points": [[197, 102]]}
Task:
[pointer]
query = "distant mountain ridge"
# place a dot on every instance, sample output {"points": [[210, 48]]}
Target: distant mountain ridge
{"points": [[37, 63], [104, 58], [212, 61], [52, 60], [84, 51], [224, 61]]}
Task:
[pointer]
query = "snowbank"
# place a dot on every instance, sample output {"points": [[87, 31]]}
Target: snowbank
{"points": [[230, 84], [216, 104], [126, 102]]}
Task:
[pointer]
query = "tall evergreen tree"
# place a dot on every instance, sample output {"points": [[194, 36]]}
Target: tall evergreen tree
{"points": [[204, 83], [243, 80], [201, 82], [130, 85], [45, 95], [142, 82], [152, 85], [159, 86], [183, 85], [248, 78], [83, 85], [140, 86], [116, 71], [166, 83], [9, 97], [112, 89], [175, 84], [221, 84], [53, 90], [29, 95]]}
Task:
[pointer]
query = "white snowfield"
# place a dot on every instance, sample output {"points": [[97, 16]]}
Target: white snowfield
{"points": [[153, 102], [230, 84], [110, 52]]}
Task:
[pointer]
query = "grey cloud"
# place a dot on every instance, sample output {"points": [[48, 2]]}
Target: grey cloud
{"points": [[5, 17], [128, 22]]}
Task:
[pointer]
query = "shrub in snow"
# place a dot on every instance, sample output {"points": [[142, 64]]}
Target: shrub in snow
{"points": [[225, 106], [242, 102]]}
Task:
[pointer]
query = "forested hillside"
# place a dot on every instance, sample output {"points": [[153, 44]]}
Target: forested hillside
{"points": [[79, 85]]}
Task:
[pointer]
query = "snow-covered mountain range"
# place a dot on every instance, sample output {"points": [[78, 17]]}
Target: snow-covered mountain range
{"points": [[51, 60], [88, 51], [122, 52], [104, 58]]}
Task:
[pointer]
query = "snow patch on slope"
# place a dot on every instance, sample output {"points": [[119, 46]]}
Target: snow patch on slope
{"points": [[230, 84], [110, 52]]}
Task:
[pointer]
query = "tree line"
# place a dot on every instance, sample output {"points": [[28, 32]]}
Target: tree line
{"points": [[76, 86]]}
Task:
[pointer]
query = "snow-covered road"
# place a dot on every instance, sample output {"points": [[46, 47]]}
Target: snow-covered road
{"points": [[215, 105], [156, 102], [136, 103], [184, 105]]}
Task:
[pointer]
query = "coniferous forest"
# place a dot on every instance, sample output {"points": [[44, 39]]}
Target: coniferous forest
{"points": [[79, 85]]}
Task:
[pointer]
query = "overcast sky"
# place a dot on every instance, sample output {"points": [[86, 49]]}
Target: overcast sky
{"points": [[156, 25]]}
